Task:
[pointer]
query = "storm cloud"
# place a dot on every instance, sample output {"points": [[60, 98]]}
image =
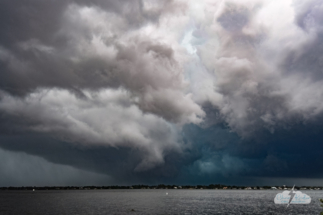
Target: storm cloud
{"points": [[163, 91]]}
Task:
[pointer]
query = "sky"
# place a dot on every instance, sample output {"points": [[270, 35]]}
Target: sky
{"points": [[106, 92]]}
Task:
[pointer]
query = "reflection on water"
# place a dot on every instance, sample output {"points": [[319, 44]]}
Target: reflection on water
{"points": [[150, 202]]}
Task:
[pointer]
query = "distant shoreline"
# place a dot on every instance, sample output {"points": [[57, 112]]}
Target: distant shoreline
{"points": [[162, 186]]}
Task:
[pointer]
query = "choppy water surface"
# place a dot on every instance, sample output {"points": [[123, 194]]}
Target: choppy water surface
{"points": [[151, 202]]}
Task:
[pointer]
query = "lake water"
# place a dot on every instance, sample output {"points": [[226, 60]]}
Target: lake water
{"points": [[97, 202]]}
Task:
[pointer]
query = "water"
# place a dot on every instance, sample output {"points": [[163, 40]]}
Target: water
{"points": [[97, 202]]}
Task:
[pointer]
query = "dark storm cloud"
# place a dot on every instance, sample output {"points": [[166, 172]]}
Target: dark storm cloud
{"points": [[163, 91], [92, 50], [108, 118], [94, 46], [288, 155], [95, 159], [15, 171], [116, 163]]}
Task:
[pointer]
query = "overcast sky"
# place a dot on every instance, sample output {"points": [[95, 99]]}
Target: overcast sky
{"points": [[161, 91]]}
